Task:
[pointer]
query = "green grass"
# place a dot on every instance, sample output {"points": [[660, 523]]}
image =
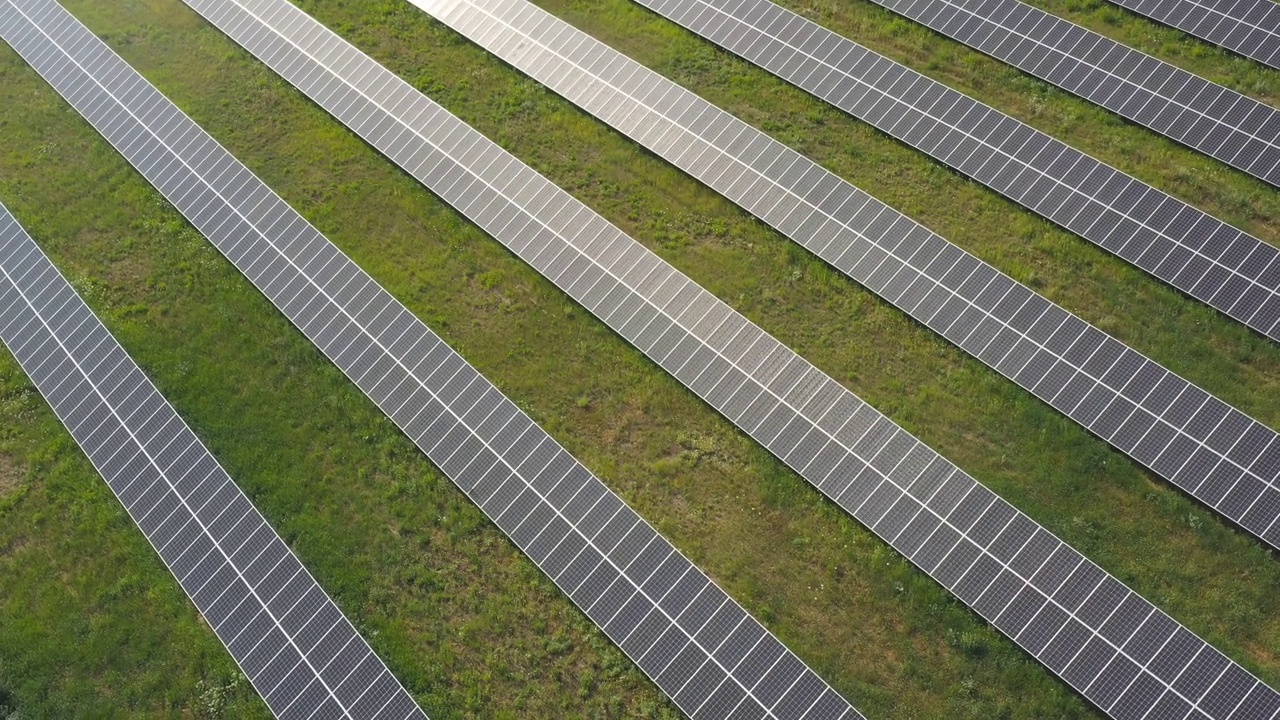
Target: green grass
{"points": [[90, 622]]}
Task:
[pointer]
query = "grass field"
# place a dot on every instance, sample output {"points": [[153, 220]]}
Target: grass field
{"points": [[91, 624]]}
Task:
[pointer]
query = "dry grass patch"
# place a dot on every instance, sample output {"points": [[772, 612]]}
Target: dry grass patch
{"points": [[12, 475]]}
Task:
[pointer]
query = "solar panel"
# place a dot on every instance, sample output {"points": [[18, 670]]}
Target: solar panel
{"points": [[296, 647], [990, 314], [1102, 638], [1213, 119], [1249, 27], [1217, 264], [700, 647]]}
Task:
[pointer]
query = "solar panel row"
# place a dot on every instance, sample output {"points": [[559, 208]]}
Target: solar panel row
{"points": [[1213, 119], [1249, 27], [1109, 388], [699, 646], [1219, 265], [292, 642], [1105, 640]]}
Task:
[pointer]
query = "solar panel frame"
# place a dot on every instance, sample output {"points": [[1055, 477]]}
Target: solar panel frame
{"points": [[985, 312], [1248, 27], [866, 463], [1212, 119], [639, 589], [254, 593], [1220, 265]]}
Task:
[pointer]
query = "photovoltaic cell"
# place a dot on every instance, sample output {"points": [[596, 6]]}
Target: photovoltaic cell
{"points": [[1005, 566], [1213, 262], [680, 628], [1059, 357], [286, 634], [1249, 27], [1213, 119]]}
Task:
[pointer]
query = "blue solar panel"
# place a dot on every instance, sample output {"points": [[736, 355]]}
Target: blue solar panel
{"points": [[293, 643], [1213, 119], [1054, 602], [699, 646], [1133, 402], [1249, 27], [1213, 262]]}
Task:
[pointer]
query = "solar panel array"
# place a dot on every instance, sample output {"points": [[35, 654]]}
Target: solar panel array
{"points": [[1102, 384], [1249, 27], [698, 645], [292, 642], [1219, 265], [1213, 119], [1105, 640]]}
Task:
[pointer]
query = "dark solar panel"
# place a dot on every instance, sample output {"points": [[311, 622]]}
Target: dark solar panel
{"points": [[1215, 120], [700, 647], [1048, 351], [293, 643], [1217, 264], [1249, 27], [1073, 616]]}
